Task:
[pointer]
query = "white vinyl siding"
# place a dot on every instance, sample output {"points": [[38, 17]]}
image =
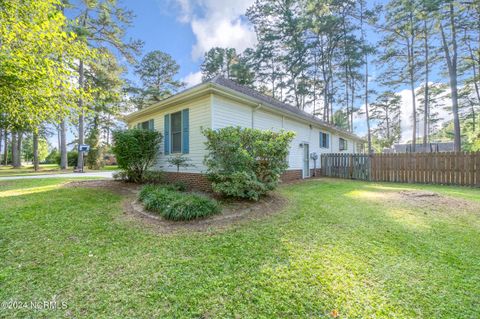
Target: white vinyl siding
{"points": [[218, 112], [303, 135], [230, 113], [266, 121], [199, 118]]}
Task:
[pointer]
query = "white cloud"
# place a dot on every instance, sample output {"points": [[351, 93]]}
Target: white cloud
{"points": [[407, 114], [217, 23], [193, 79]]}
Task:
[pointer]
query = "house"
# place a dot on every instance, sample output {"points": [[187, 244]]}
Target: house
{"points": [[220, 103], [434, 147]]}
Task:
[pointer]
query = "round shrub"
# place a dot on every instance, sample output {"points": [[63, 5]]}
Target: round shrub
{"points": [[174, 205], [136, 151], [245, 162]]}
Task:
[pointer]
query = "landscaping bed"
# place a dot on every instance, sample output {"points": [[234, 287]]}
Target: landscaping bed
{"points": [[233, 212]]}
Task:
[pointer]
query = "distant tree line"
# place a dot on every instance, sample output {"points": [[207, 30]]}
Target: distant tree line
{"points": [[317, 54]]}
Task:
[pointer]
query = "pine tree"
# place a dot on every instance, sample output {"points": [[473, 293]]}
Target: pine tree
{"points": [[386, 111], [100, 24], [157, 71], [402, 28]]}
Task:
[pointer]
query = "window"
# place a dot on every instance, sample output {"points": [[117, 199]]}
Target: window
{"points": [[324, 140], [343, 144], [147, 125], [176, 132], [176, 129]]}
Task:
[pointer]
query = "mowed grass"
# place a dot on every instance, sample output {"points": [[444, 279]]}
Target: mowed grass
{"points": [[27, 170], [45, 169], [339, 247]]}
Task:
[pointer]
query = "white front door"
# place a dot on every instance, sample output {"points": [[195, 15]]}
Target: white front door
{"points": [[306, 161]]}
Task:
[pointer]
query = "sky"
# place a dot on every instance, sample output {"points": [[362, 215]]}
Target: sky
{"points": [[186, 29]]}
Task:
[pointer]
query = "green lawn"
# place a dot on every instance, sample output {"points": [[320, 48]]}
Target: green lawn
{"points": [[352, 247], [44, 169], [27, 170]]}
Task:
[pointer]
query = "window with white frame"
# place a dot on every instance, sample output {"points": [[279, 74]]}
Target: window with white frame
{"points": [[176, 129], [342, 143], [147, 125], [324, 140]]}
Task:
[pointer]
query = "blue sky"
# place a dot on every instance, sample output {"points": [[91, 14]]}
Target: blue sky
{"points": [[158, 25], [186, 29]]}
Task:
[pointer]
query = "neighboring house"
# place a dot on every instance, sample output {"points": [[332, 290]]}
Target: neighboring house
{"points": [[220, 103], [420, 148]]}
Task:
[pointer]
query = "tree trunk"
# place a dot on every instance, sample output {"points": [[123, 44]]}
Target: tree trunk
{"points": [[36, 164], [14, 148], [475, 82], [352, 101], [426, 111], [63, 145], [1, 141], [414, 113], [451, 60], [5, 155], [81, 118], [369, 135], [108, 130], [387, 119], [19, 149], [411, 73], [456, 120]]}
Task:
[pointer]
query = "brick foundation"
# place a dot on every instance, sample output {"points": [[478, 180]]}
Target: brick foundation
{"points": [[199, 181], [318, 174], [291, 175], [196, 181]]}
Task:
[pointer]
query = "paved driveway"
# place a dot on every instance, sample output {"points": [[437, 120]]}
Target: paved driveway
{"points": [[67, 175]]}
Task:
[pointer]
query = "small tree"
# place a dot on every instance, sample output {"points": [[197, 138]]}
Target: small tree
{"points": [[136, 150], [246, 163], [180, 161]]}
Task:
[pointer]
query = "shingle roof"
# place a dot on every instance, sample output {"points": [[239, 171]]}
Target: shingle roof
{"points": [[284, 107], [222, 83]]}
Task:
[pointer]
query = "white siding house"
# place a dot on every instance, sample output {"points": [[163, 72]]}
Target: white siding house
{"points": [[221, 103]]}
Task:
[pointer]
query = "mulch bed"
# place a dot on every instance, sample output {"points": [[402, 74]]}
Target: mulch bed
{"points": [[233, 212]]}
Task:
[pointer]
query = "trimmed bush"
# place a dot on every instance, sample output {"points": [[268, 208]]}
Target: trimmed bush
{"points": [[136, 151], [173, 205], [244, 162], [180, 186], [72, 158], [153, 177]]}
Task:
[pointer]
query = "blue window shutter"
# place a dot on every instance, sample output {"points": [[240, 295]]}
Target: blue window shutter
{"points": [[151, 126], [321, 139], [185, 129], [328, 140], [166, 134]]}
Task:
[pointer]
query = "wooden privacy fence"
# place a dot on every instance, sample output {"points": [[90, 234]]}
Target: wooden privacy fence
{"points": [[451, 168]]}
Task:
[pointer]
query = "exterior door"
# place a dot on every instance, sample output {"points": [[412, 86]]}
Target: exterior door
{"points": [[306, 161]]}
